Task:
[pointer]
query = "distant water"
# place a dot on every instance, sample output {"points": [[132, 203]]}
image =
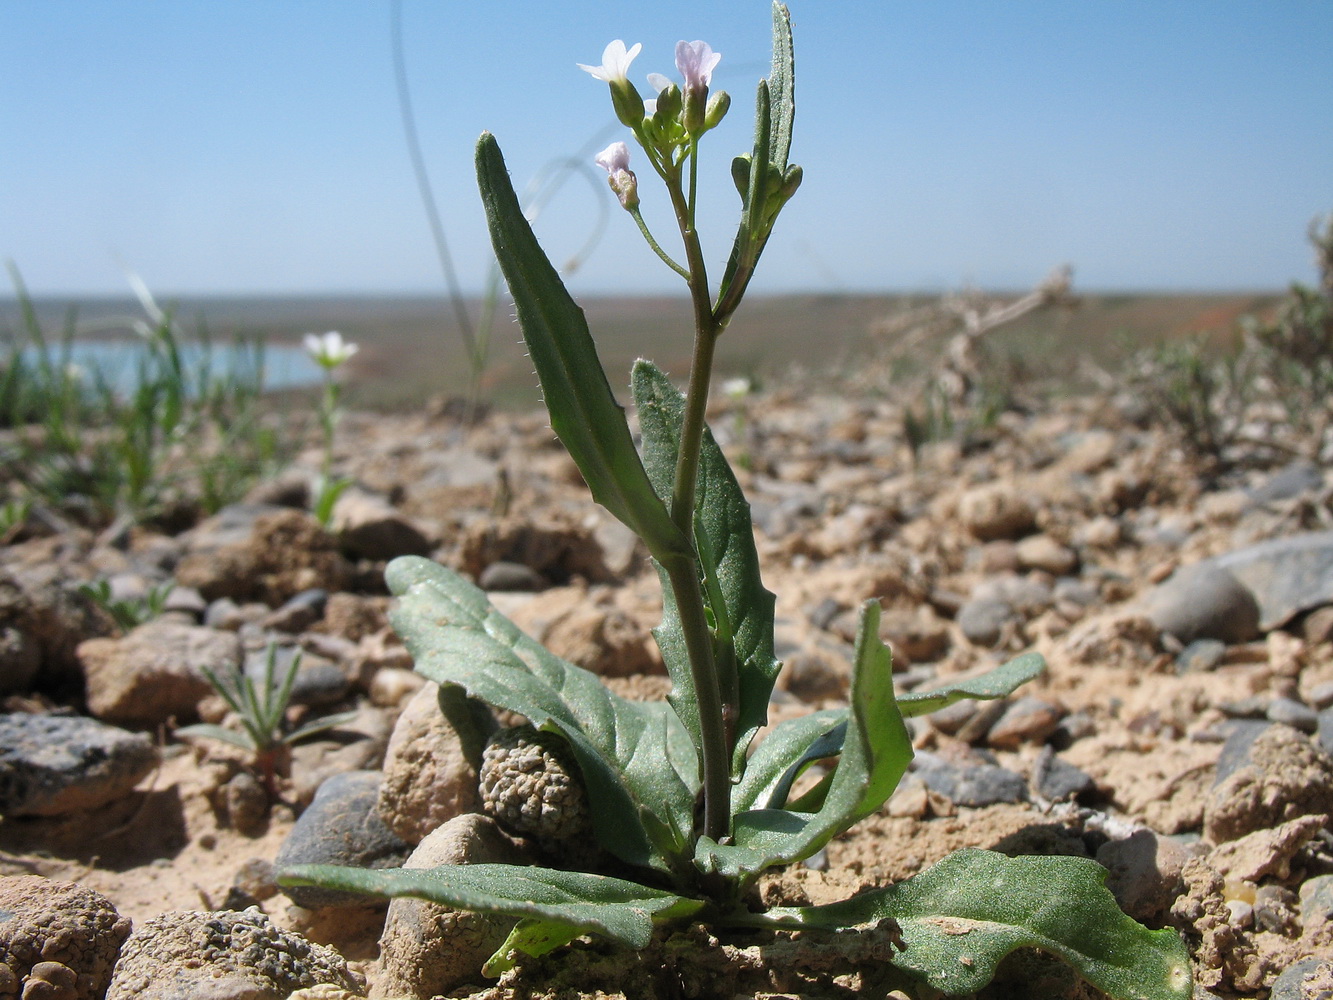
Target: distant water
{"points": [[118, 361]]}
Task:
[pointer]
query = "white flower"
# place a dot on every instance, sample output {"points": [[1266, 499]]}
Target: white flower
{"points": [[614, 157], [696, 62], [615, 61], [736, 388], [329, 350], [615, 160], [658, 82]]}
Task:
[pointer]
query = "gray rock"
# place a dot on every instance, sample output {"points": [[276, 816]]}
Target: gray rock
{"points": [[1204, 601], [1027, 720], [1311, 979], [1291, 712], [53, 614], [155, 672], [299, 612], [1286, 575], [505, 575], [1057, 780], [1288, 482], [223, 955], [1317, 900], [51, 764], [1240, 736], [1145, 872], [59, 934], [1326, 730], [973, 785], [20, 652], [370, 527], [1200, 656], [1284, 776], [341, 827], [426, 949], [983, 620]]}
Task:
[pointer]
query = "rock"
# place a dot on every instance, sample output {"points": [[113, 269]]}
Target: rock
{"points": [[246, 803], [1291, 712], [1317, 900], [369, 527], [982, 621], [20, 652], [1200, 656], [1325, 730], [585, 627], [223, 955], [53, 764], [57, 933], [341, 827], [1284, 776], [155, 672], [1240, 737], [1286, 575], [1144, 873], [1057, 780], [1027, 720], [1290, 481], [503, 575], [298, 612], [426, 949], [1318, 626], [53, 614], [1265, 853], [1204, 601], [995, 510], [1311, 979], [1046, 554], [969, 784], [917, 634], [431, 767]]}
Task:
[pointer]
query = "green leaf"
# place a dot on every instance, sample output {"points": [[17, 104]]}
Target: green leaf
{"points": [[783, 754], [584, 413], [593, 904], [213, 732], [996, 683], [962, 916], [531, 937], [875, 754], [320, 725], [782, 88], [741, 608], [636, 758]]}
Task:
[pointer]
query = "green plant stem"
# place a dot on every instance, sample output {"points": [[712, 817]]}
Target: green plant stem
{"points": [[637, 216], [715, 751]]}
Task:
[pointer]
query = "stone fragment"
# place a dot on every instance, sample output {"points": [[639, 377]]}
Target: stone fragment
{"points": [[223, 955], [996, 510], [431, 767], [56, 764], [969, 784], [1317, 900], [427, 949], [916, 635], [504, 575], [369, 527], [1144, 873], [340, 827], [59, 934], [1027, 720], [1286, 575], [1284, 776], [1311, 979], [1200, 656], [1046, 554], [982, 621], [155, 672], [1057, 780], [1203, 601], [1291, 712]]}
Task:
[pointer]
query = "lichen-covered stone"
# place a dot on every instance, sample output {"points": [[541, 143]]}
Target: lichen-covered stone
{"points": [[57, 939], [531, 785], [56, 764], [200, 955]]}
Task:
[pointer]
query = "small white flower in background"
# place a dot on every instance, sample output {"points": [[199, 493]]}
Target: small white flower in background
{"points": [[615, 160], [736, 388], [696, 62], [658, 82], [329, 350], [615, 61]]}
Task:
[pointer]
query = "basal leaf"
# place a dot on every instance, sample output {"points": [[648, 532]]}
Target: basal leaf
{"points": [[996, 683], [962, 916], [636, 758], [875, 753], [531, 937], [742, 609], [584, 413], [592, 904]]}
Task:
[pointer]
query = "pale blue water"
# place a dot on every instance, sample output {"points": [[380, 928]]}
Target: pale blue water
{"points": [[285, 367]]}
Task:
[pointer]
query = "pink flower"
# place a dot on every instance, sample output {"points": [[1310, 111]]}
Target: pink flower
{"points": [[696, 62], [615, 61], [615, 160]]}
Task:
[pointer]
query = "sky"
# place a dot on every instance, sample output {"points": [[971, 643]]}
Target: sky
{"points": [[257, 146]]}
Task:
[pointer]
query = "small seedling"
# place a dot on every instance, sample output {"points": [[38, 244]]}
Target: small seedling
{"points": [[262, 709], [129, 612], [691, 815], [330, 352]]}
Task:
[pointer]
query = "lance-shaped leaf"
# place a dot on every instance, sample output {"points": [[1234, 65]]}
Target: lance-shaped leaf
{"points": [[961, 917], [996, 683], [584, 413], [781, 88], [589, 904], [784, 753], [742, 610], [875, 753], [636, 759]]}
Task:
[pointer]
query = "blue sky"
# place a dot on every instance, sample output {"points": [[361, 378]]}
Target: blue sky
{"points": [[255, 146]]}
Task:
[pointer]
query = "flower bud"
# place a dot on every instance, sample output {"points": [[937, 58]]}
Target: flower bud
{"points": [[615, 160], [740, 174], [627, 103], [717, 109]]}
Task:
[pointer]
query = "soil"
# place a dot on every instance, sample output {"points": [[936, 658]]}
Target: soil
{"points": [[886, 524]]}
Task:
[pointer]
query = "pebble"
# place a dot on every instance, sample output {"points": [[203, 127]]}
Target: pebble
{"points": [[1286, 575], [982, 621], [56, 933], [1027, 720], [1290, 481], [503, 575], [369, 527], [1203, 601], [55, 764], [1240, 736], [1316, 900], [1291, 984], [1057, 780], [298, 612], [1321, 696], [1326, 730], [1046, 554], [1145, 872], [1291, 712], [341, 827], [996, 510], [972, 785], [1200, 656]]}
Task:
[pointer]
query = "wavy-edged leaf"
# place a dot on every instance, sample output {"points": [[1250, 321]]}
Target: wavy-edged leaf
{"points": [[962, 916], [875, 754], [996, 683], [636, 759], [742, 609], [594, 904], [783, 754], [584, 412]]}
